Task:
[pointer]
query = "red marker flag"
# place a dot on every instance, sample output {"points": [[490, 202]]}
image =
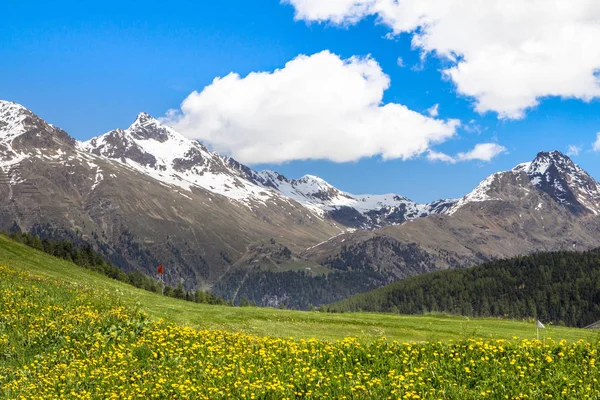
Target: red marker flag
{"points": [[160, 270]]}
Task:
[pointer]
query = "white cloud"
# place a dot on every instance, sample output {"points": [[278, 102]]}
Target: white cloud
{"points": [[400, 62], [316, 107], [438, 156], [434, 111], [596, 144], [506, 54], [481, 152], [573, 150]]}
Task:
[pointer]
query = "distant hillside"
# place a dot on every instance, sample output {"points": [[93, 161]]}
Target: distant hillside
{"points": [[548, 204], [561, 287], [84, 256]]}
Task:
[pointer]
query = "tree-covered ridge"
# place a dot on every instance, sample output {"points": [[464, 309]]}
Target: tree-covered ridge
{"points": [[559, 287], [293, 289], [85, 256]]}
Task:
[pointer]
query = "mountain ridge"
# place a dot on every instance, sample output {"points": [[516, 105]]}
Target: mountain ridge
{"points": [[51, 186], [146, 195], [509, 213], [190, 162]]}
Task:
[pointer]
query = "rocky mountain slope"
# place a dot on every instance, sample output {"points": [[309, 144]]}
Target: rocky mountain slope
{"points": [[356, 211], [53, 186], [146, 195], [158, 151], [547, 204]]}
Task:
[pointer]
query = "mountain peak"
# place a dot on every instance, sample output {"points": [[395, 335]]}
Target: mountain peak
{"points": [[550, 163], [568, 184], [12, 113], [313, 178], [144, 114], [144, 118], [554, 156], [551, 172], [147, 127], [12, 120], [10, 106], [21, 131], [553, 153]]}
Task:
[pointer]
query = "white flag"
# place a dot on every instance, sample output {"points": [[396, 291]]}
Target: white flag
{"points": [[540, 325]]}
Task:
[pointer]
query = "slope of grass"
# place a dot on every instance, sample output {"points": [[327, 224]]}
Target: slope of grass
{"points": [[65, 340], [280, 323]]}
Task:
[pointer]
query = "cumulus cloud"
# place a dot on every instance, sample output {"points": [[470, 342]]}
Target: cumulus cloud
{"points": [[481, 152], [506, 54], [316, 107], [400, 62], [573, 150], [596, 144]]}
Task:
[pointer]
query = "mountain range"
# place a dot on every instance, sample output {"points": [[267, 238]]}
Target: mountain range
{"points": [[147, 195], [162, 153]]}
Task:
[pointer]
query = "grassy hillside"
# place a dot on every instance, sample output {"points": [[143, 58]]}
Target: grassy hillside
{"points": [[280, 323], [67, 340], [562, 287]]}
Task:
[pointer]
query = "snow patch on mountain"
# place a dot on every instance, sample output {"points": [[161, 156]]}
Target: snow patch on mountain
{"points": [[98, 179], [12, 118], [12, 125], [479, 194], [309, 190], [317, 194]]}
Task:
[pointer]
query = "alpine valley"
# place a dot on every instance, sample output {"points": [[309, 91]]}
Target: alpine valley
{"points": [[146, 195]]}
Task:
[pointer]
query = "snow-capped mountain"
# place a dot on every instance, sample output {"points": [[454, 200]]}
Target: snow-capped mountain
{"points": [[162, 153], [548, 204], [146, 195], [564, 181], [159, 151], [359, 211], [22, 132], [314, 190], [137, 195], [550, 172]]}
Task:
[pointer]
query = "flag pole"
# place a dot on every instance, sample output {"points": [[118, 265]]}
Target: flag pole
{"points": [[539, 326], [161, 276]]}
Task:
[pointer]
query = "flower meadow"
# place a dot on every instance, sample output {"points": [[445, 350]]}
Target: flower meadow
{"points": [[60, 340]]}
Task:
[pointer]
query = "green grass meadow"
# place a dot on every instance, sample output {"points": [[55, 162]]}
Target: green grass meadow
{"points": [[281, 323], [69, 333]]}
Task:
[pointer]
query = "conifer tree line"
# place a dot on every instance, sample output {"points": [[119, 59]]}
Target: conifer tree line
{"points": [[294, 289], [558, 287], [85, 256]]}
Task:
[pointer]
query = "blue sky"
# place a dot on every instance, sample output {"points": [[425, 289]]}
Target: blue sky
{"points": [[92, 68]]}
